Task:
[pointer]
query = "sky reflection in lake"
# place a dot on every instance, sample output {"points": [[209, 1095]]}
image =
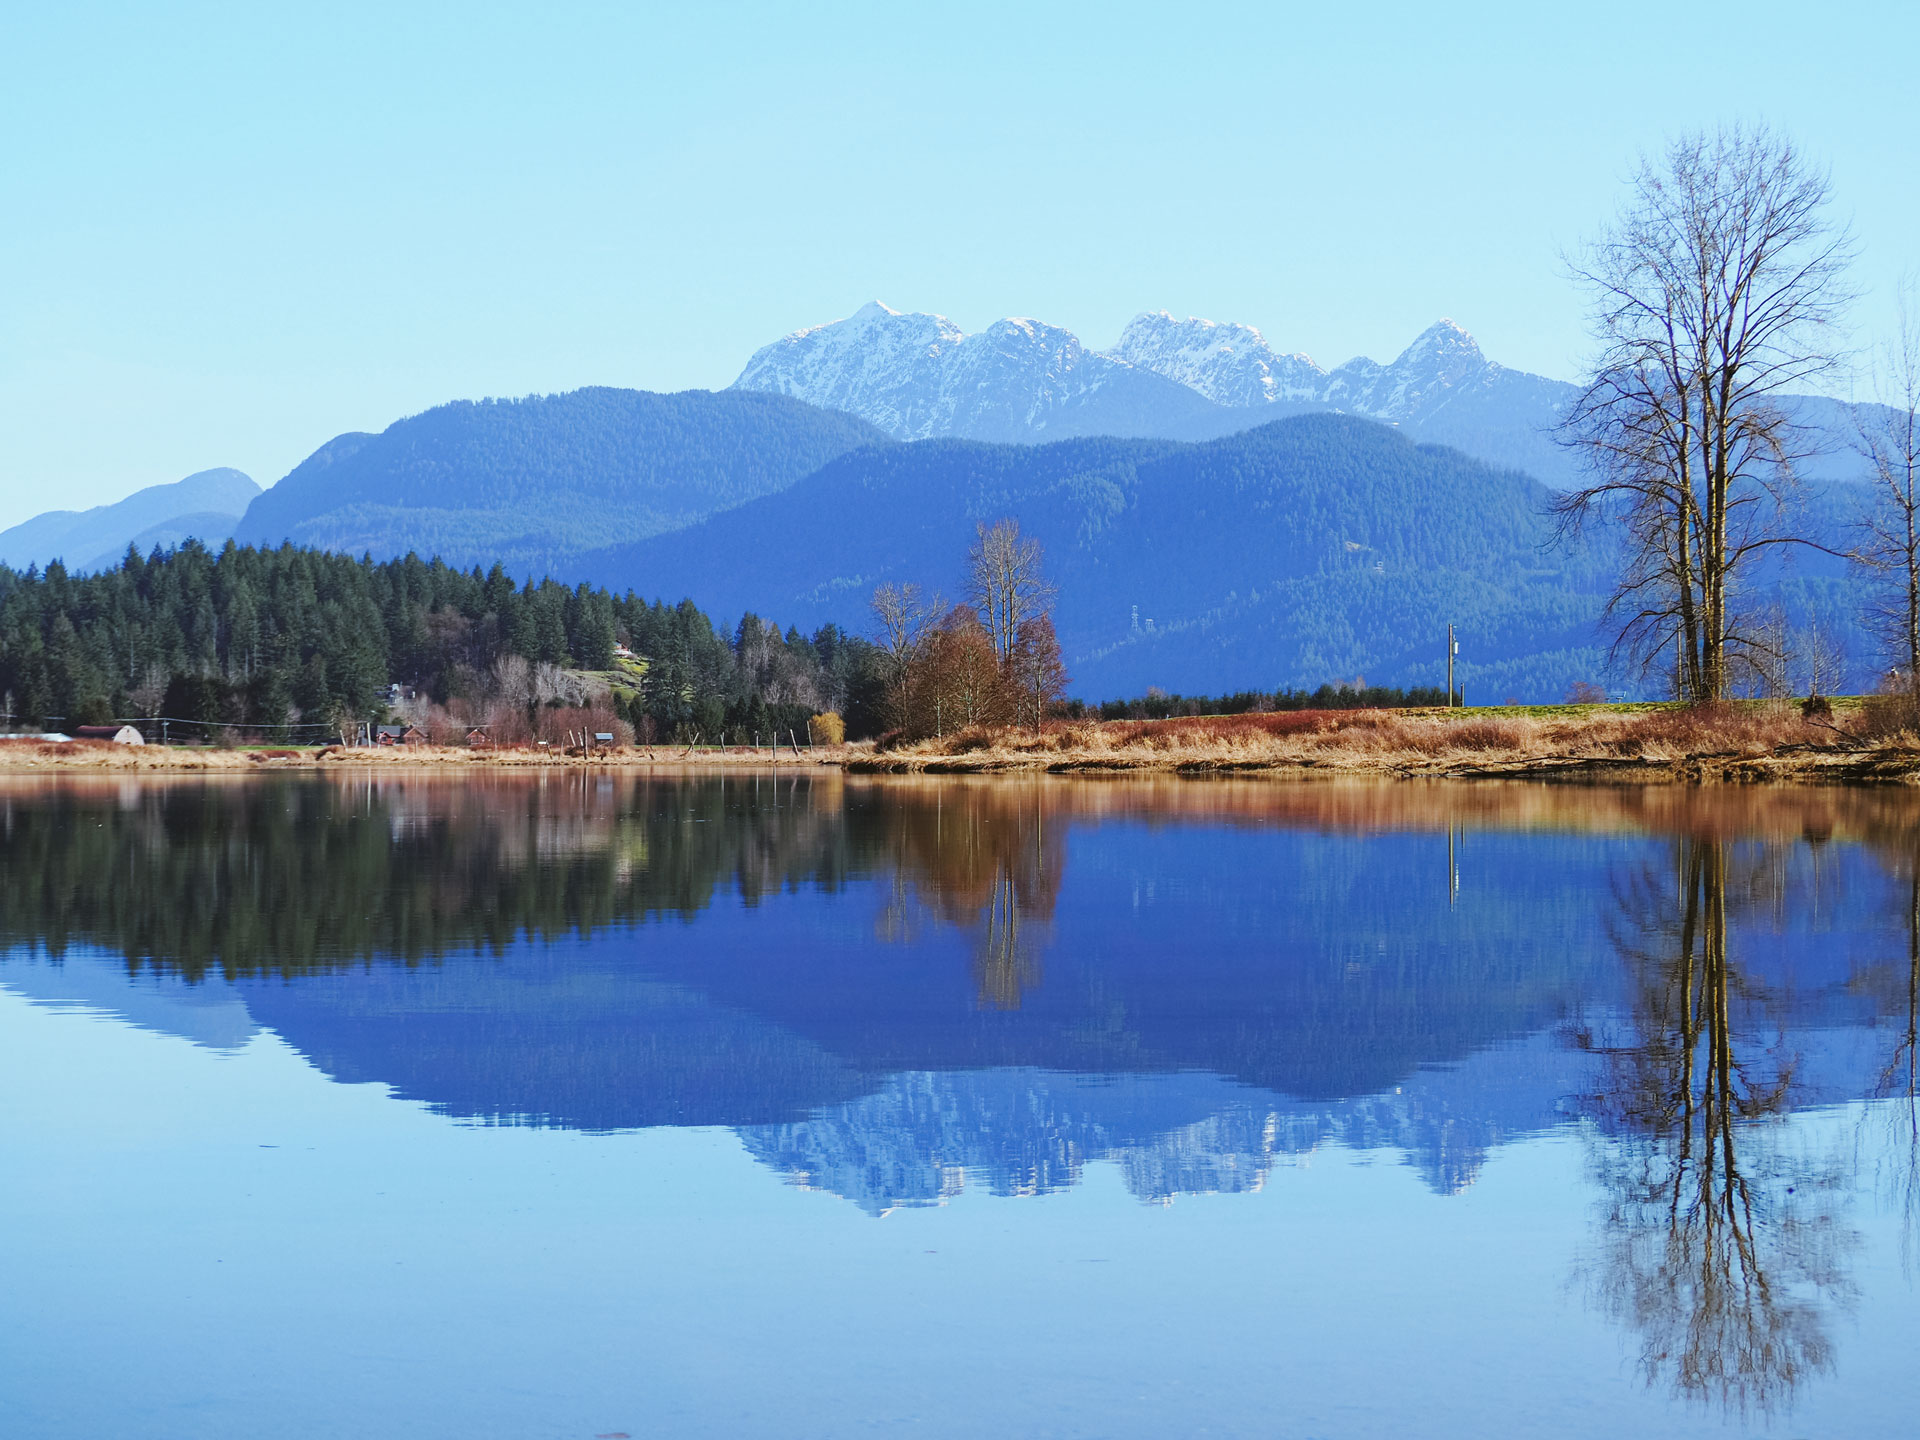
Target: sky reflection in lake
{"points": [[814, 1107]]}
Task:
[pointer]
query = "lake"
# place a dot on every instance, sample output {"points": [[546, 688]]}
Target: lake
{"points": [[787, 1104]]}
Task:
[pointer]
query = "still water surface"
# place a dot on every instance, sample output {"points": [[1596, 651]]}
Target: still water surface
{"points": [[772, 1105]]}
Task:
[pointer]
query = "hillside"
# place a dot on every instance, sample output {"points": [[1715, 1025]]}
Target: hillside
{"points": [[1313, 548], [204, 506], [530, 482]]}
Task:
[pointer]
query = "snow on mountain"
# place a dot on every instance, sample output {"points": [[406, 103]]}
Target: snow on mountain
{"points": [[918, 376], [879, 364], [1442, 362], [1229, 364], [1233, 365], [1440, 388]]}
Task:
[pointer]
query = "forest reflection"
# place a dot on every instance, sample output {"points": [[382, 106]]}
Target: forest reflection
{"points": [[291, 876], [245, 878], [1724, 1243]]}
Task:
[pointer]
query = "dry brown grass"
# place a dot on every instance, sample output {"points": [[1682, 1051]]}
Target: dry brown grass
{"points": [[103, 755], [1746, 740]]}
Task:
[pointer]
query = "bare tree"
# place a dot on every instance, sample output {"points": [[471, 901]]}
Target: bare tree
{"points": [[1820, 645], [964, 675], [905, 617], [1035, 670], [146, 696], [1718, 288], [513, 683], [1005, 582], [1889, 439]]}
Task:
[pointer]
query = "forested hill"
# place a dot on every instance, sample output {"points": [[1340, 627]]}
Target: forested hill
{"points": [[255, 640], [529, 482], [1316, 548]]}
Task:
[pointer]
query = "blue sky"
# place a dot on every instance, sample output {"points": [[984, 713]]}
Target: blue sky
{"points": [[231, 232]]}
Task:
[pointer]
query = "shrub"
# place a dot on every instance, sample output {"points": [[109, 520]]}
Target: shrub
{"points": [[970, 740], [1887, 715], [827, 728]]}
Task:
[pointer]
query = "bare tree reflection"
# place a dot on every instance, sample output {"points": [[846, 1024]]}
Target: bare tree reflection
{"points": [[1722, 1247], [985, 859], [1894, 990], [1902, 1078]]}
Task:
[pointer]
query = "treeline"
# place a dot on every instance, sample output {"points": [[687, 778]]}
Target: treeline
{"points": [[266, 639], [992, 661], [1156, 705]]}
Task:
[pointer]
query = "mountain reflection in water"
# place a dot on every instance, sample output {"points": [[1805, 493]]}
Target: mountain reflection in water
{"points": [[894, 989]]}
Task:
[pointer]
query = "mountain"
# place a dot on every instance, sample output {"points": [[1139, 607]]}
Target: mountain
{"points": [[204, 506], [1440, 388], [1314, 548], [529, 482], [918, 377]]}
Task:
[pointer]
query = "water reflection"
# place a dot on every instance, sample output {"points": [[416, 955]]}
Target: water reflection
{"points": [[1723, 1246], [1895, 988], [892, 991], [991, 865]]}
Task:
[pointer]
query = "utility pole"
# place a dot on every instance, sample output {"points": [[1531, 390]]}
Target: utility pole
{"points": [[1453, 649]]}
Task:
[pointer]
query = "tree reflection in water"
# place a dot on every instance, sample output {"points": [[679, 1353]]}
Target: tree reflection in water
{"points": [[1722, 1247], [1895, 991], [985, 859]]}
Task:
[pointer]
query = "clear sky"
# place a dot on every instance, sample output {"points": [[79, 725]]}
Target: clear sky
{"points": [[229, 232]]}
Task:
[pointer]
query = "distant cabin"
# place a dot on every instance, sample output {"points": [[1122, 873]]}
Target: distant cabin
{"points": [[476, 736], [118, 734], [389, 734]]}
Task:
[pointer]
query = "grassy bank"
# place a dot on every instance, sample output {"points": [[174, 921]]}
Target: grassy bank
{"points": [[1858, 741], [101, 755]]}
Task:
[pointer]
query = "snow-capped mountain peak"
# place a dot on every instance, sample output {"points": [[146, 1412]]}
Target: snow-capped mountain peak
{"points": [[877, 363], [918, 376], [1443, 348], [1442, 362], [1230, 364]]}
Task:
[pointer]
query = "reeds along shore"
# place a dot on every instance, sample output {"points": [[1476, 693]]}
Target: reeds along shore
{"points": [[1876, 740], [1871, 741]]}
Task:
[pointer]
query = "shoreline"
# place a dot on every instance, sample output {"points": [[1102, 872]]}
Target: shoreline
{"points": [[1858, 742], [1891, 762], [104, 757], [1876, 765]]}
